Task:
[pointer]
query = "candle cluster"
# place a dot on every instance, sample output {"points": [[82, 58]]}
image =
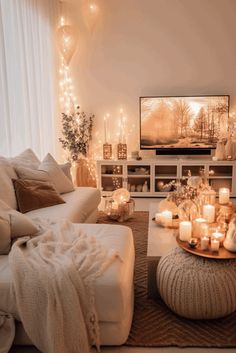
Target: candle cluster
{"points": [[206, 232]]}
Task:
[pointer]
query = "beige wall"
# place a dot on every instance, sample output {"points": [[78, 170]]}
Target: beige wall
{"points": [[152, 47]]}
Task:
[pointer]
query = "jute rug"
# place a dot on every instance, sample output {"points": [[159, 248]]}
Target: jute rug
{"points": [[154, 325]]}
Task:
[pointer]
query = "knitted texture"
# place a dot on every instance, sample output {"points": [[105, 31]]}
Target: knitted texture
{"points": [[196, 287]]}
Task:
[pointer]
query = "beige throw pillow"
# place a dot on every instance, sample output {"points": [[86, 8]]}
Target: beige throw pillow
{"points": [[32, 174], [7, 192], [26, 159], [66, 167], [61, 182], [20, 224], [34, 194], [5, 236]]}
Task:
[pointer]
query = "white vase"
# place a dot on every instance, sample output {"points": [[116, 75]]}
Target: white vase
{"points": [[220, 151], [145, 187], [228, 148]]}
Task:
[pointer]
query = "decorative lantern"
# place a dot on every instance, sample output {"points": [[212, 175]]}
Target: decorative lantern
{"points": [[107, 151], [121, 151], [67, 42], [121, 195]]}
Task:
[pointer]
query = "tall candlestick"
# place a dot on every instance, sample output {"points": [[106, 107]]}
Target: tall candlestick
{"points": [[224, 196], [185, 230], [209, 213], [120, 125], [105, 129]]}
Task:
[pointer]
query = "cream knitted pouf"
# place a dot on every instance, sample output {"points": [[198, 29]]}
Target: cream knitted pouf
{"points": [[195, 287]]}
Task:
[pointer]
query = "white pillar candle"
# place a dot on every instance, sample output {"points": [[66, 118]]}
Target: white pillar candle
{"points": [[204, 230], [204, 243], [218, 236], [185, 230], [197, 226], [166, 218], [215, 244], [209, 213], [224, 196]]}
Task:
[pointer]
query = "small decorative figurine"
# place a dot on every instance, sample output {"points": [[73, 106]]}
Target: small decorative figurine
{"points": [[230, 240]]}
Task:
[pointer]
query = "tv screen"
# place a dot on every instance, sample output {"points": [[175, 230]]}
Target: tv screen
{"points": [[183, 125]]}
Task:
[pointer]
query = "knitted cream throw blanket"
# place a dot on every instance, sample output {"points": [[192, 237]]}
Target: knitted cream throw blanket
{"points": [[53, 277]]}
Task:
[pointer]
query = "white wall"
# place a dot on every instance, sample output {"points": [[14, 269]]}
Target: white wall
{"points": [[153, 47]]}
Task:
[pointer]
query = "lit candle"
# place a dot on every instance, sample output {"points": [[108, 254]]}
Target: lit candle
{"points": [[166, 218], [218, 236], [204, 243], [215, 244], [185, 230], [223, 196], [204, 230], [158, 217], [209, 213], [197, 226]]}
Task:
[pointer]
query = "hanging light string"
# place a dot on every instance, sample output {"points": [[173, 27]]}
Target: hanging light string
{"points": [[68, 100]]}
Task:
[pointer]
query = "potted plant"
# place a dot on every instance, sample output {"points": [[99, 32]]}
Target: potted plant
{"points": [[77, 134]]}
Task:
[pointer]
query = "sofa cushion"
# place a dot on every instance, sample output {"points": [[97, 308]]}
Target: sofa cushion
{"points": [[80, 204], [56, 175], [66, 167], [34, 194], [114, 289], [26, 159], [7, 192], [49, 170], [5, 236], [20, 225]]}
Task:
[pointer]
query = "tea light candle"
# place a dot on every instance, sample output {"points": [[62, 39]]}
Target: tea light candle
{"points": [[224, 196], [218, 236], [197, 226], [158, 217], [185, 230], [209, 213], [204, 243], [215, 244], [166, 218]]}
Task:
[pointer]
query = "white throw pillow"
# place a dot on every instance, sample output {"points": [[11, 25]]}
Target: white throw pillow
{"points": [[5, 236], [61, 182], [20, 224], [26, 159], [66, 167], [7, 192]]}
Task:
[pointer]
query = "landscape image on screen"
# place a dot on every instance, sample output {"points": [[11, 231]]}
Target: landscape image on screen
{"points": [[183, 122]]}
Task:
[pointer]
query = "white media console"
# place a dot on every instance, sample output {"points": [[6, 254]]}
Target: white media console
{"points": [[147, 177]]}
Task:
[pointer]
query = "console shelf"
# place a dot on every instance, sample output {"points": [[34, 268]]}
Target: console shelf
{"points": [[151, 178]]}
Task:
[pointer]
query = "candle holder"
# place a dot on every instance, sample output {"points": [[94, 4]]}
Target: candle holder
{"points": [[107, 151], [119, 211], [121, 151]]}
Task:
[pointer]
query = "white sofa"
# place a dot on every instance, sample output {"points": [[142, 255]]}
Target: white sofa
{"points": [[114, 293]]}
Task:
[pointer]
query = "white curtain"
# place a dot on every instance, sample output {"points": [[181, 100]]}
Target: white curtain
{"points": [[27, 76]]}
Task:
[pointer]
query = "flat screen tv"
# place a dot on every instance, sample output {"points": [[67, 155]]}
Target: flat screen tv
{"points": [[183, 125]]}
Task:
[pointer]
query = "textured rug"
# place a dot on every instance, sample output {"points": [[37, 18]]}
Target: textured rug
{"points": [[154, 325]]}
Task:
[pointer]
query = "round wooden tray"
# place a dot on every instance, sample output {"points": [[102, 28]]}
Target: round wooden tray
{"points": [[223, 253], [175, 223]]}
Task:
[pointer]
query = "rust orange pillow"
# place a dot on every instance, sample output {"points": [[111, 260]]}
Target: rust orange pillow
{"points": [[33, 194]]}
